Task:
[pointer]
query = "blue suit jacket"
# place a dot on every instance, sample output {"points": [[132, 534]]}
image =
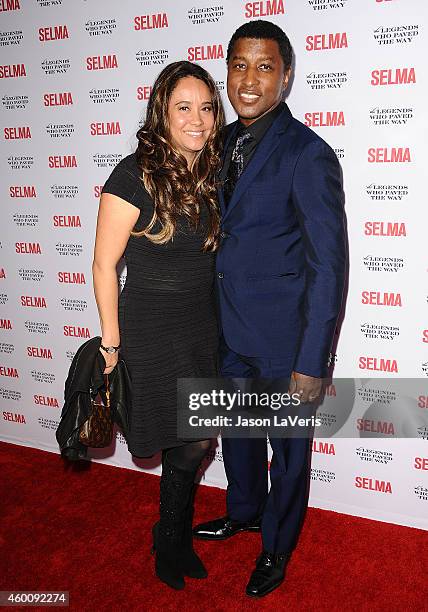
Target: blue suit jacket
{"points": [[281, 262]]}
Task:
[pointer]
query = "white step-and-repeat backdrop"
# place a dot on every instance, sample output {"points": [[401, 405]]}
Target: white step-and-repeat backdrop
{"points": [[75, 76]]}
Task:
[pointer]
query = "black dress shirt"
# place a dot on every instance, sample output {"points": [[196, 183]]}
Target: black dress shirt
{"points": [[257, 130]]}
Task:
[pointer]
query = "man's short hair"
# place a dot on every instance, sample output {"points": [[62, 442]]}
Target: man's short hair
{"points": [[263, 29]]}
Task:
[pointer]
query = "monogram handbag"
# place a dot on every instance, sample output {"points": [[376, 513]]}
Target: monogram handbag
{"points": [[93, 402], [97, 430]]}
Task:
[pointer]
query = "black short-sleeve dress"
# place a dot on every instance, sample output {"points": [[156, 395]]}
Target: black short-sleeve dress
{"points": [[167, 316]]}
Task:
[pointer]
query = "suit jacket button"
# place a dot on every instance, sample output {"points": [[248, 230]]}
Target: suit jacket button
{"points": [[223, 235], [220, 274]]}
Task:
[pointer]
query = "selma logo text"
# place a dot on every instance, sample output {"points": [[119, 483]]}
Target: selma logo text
{"points": [[383, 427], [9, 372], [62, 161], [378, 364], [111, 128], [58, 32], [74, 331], [70, 278], [325, 448], [17, 133], [101, 62], [143, 92], [327, 119], [264, 8], [393, 76], [372, 484], [14, 417], [323, 42], [12, 71], [22, 191], [384, 228], [46, 400], [66, 221], [9, 5], [39, 352], [33, 301], [392, 155], [28, 248], [151, 22], [421, 463], [376, 298], [206, 52], [64, 98]]}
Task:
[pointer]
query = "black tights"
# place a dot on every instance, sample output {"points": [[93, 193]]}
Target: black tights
{"points": [[189, 456]]}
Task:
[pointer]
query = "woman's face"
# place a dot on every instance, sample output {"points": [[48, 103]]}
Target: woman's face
{"points": [[191, 116]]}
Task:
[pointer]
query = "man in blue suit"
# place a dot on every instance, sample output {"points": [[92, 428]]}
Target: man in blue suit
{"points": [[280, 278]]}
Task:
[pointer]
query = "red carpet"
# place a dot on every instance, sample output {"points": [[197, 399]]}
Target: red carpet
{"points": [[88, 531]]}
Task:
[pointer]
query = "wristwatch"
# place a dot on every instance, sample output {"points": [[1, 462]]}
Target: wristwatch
{"points": [[110, 349]]}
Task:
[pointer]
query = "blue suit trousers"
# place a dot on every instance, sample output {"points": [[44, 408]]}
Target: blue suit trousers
{"points": [[283, 507]]}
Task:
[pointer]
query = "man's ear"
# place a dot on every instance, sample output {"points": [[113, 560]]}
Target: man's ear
{"points": [[287, 75]]}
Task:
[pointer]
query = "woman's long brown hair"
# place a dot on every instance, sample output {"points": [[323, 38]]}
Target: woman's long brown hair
{"points": [[176, 190]]}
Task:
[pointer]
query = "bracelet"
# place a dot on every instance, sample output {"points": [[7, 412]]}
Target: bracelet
{"points": [[110, 349]]}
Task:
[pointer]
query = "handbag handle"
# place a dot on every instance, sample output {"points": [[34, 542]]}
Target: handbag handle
{"points": [[107, 386]]}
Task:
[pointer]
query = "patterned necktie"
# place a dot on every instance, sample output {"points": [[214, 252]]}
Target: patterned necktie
{"points": [[236, 166]]}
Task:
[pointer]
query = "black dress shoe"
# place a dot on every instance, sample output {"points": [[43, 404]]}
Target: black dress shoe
{"points": [[268, 575], [223, 528]]}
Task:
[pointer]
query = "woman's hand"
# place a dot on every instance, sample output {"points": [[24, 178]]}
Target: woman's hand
{"points": [[111, 360]]}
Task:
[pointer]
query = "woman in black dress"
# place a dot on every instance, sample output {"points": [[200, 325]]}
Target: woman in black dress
{"points": [[159, 209]]}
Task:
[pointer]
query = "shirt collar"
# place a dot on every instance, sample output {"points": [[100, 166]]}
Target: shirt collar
{"points": [[261, 126]]}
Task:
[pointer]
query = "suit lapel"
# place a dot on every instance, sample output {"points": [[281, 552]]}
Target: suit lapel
{"points": [[269, 143], [231, 131]]}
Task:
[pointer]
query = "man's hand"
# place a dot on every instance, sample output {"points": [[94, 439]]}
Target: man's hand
{"points": [[308, 387]]}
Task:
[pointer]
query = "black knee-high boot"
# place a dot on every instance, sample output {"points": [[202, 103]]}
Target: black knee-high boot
{"points": [[191, 563], [176, 487]]}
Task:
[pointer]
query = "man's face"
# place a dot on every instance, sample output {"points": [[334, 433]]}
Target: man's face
{"points": [[255, 78]]}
